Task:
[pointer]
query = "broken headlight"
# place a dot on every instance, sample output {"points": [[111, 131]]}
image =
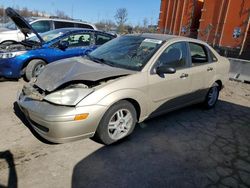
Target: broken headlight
{"points": [[68, 97]]}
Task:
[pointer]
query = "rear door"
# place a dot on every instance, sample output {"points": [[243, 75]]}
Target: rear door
{"points": [[203, 69]]}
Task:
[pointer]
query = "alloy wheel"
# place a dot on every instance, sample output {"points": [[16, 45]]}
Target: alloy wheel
{"points": [[38, 69], [120, 124]]}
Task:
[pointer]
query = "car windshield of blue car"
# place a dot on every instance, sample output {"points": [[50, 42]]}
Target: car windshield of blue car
{"points": [[129, 52], [50, 35]]}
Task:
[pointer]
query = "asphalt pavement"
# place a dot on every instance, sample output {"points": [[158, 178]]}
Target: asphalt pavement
{"points": [[191, 147]]}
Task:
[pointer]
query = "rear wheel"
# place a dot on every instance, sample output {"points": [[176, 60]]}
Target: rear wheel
{"points": [[212, 96], [118, 122], [34, 68]]}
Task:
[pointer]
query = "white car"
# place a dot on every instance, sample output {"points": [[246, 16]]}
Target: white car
{"points": [[9, 31]]}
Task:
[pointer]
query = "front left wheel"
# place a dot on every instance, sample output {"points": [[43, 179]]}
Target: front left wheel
{"points": [[118, 122]]}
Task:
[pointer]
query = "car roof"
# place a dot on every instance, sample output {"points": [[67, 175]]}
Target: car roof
{"points": [[58, 19], [75, 29], [163, 37], [167, 37], [34, 19]]}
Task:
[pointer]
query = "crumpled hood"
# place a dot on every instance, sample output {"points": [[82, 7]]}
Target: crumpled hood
{"points": [[74, 69]]}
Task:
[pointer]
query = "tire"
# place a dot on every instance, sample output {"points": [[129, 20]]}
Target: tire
{"points": [[8, 42], [111, 129], [34, 68], [212, 96]]}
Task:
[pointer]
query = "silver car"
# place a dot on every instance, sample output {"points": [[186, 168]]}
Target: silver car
{"points": [[124, 82]]}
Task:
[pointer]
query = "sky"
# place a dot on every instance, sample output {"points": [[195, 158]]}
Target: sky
{"points": [[94, 10]]}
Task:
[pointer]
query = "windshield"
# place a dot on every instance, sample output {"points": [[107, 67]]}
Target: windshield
{"points": [[130, 52], [50, 35], [10, 25]]}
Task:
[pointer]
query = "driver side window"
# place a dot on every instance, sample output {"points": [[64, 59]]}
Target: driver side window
{"points": [[78, 40], [175, 56]]}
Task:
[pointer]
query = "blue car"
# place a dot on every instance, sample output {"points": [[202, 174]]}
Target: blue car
{"points": [[28, 58]]}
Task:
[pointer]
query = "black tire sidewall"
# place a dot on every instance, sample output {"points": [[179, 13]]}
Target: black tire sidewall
{"points": [[102, 130], [207, 105]]}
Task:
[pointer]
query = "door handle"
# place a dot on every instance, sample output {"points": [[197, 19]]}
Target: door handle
{"points": [[184, 75], [210, 69]]}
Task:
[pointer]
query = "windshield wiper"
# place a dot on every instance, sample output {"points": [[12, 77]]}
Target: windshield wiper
{"points": [[94, 59], [100, 60]]}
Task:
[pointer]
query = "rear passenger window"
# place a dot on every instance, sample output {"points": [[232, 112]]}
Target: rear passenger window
{"points": [[60, 24], [41, 26], [86, 26], [101, 39], [213, 57], [198, 54], [175, 56]]}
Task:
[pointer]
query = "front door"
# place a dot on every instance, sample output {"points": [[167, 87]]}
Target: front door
{"points": [[170, 91], [78, 44]]}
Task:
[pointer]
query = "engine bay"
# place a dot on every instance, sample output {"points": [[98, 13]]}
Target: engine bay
{"points": [[13, 46]]}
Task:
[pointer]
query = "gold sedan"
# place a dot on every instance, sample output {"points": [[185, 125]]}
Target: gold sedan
{"points": [[123, 82]]}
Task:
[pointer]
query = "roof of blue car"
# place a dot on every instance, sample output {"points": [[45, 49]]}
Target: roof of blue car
{"points": [[75, 29]]}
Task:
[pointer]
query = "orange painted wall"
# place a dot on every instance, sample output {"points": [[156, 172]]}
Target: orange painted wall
{"points": [[209, 20], [237, 16], [220, 18], [213, 20], [162, 16], [176, 14]]}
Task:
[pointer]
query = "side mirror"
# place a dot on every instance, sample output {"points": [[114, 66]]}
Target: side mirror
{"points": [[63, 45], [165, 70]]}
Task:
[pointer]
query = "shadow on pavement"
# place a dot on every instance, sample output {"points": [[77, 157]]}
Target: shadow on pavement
{"points": [[191, 147], [22, 117], [8, 79], [12, 177]]}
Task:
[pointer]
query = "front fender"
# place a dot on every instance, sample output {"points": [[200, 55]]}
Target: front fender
{"points": [[140, 97]]}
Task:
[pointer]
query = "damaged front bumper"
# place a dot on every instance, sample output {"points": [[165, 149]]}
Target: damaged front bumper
{"points": [[57, 123]]}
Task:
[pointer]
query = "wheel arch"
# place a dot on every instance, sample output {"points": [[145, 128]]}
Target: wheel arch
{"points": [[135, 97], [31, 59], [219, 82], [136, 106]]}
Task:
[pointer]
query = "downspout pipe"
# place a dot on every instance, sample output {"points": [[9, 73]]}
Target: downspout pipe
{"points": [[219, 21], [245, 35], [223, 27]]}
